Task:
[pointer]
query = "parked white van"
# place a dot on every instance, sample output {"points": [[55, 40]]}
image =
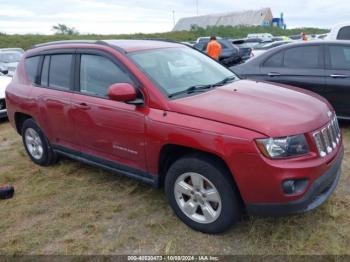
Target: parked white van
{"points": [[340, 32], [264, 36]]}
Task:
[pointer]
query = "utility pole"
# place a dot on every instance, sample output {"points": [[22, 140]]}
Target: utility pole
{"points": [[174, 17]]}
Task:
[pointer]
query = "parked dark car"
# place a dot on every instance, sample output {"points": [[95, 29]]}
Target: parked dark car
{"points": [[319, 66], [295, 37], [230, 54], [250, 42]]}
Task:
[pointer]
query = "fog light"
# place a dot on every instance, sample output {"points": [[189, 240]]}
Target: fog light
{"points": [[294, 186]]}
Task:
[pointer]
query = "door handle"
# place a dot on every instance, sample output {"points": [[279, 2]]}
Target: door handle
{"points": [[83, 106], [339, 76], [273, 74]]}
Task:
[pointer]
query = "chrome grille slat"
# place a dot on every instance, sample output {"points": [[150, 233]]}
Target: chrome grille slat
{"points": [[334, 131], [325, 137], [328, 138], [331, 136]]}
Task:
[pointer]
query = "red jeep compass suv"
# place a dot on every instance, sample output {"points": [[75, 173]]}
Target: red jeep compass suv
{"points": [[170, 116]]}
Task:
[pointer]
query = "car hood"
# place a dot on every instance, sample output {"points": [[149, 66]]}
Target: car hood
{"points": [[4, 81], [270, 109]]}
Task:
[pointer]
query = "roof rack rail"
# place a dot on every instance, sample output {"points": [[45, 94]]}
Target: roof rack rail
{"points": [[68, 42], [61, 42]]}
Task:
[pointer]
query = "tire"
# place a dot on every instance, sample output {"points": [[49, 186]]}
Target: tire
{"points": [[37, 145], [6, 192], [202, 210]]}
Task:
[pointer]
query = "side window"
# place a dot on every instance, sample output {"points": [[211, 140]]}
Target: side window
{"points": [[45, 72], [60, 71], [97, 73], [302, 57], [340, 57], [200, 46], [344, 33], [275, 60], [31, 65]]}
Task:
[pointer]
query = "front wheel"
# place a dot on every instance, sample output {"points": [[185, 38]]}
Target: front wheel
{"points": [[202, 194]]}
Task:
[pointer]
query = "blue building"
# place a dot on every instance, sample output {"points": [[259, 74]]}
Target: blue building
{"points": [[279, 22]]}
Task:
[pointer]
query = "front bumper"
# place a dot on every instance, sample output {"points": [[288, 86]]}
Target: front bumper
{"points": [[318, 193]]}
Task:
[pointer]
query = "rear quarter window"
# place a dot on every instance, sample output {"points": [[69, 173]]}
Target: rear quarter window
{"points": [[31, 65]]}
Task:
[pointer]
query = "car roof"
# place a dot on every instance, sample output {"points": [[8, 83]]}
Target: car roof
{"points": [[315, 42], [257, 60], [125, 46]]}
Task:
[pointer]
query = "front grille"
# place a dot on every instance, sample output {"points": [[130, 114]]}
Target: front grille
{"points": [[2, 104], [328, 138]]}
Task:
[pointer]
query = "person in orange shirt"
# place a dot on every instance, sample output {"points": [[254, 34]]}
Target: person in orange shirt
{"points": [[304, 37], [214, 48]]}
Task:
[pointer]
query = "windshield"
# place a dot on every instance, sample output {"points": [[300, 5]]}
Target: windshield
{"points": [[176, 69], [10, 57]]}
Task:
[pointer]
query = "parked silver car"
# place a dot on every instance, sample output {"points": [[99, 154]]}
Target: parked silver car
{"points": [[9, 58]]}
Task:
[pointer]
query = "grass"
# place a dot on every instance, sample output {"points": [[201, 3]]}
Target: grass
{"points": [[27, 41], [72, 208]]}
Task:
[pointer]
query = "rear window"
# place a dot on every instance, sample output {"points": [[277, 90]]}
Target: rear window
{"points": [[60, 71], [31, 65], [344, 33], [302, 57], [224, 45]]}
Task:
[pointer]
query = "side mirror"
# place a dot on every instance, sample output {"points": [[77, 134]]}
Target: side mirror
{"points": [[124, 92]]}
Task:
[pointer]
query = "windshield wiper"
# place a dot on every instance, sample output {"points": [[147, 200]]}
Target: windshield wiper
{"points": [[201, 88], [192, 89], [225, 81]]}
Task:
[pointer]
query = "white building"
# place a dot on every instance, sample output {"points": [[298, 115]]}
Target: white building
{"points": [[262, 17]]}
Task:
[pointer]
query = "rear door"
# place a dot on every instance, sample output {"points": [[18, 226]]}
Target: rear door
{"points": [[301, 66], [338, 78], [54, 97]]}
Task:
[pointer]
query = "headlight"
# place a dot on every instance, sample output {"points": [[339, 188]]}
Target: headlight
{"points": [[281, 147]]}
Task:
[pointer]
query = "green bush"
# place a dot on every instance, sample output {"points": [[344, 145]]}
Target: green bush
{"points": [[27, 41]]}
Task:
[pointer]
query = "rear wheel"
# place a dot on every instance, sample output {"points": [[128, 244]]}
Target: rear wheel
{"points": [[202, 194], [37, 145]]}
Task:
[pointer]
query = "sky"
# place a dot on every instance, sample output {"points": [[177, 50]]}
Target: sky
{"points": [[146, 16]]}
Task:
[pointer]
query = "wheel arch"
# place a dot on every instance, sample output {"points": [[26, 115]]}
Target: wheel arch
{"points": [[170, 153], [20, 118]]}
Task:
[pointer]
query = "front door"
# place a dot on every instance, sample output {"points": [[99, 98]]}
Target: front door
{"points": [[107, 130]]}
